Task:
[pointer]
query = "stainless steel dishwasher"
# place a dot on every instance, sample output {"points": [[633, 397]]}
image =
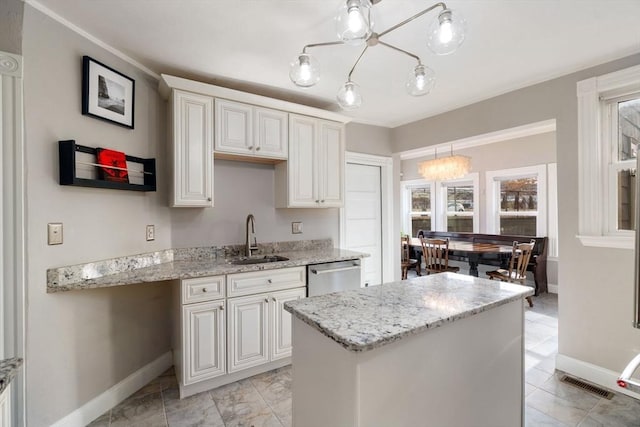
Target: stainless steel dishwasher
{"points": [[333, 277]]}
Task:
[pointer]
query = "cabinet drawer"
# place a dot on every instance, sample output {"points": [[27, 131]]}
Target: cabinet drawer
{"points": [[202, 289], [266, 281]]}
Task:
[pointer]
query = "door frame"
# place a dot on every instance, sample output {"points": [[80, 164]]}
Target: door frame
{"points": [[12, 224], [386, 195]]}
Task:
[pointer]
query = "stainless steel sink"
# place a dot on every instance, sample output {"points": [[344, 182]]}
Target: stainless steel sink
{"points": [[270, 258]]}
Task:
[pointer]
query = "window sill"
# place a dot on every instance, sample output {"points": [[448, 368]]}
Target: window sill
{"points": [[618, 242]]}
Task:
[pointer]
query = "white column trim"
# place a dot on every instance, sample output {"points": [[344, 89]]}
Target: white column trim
{"points": [[12, 223], [386, 182]]}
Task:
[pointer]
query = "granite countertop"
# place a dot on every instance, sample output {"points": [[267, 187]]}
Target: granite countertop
{"points": [[368, 318], [8, 370], [189, 263]]}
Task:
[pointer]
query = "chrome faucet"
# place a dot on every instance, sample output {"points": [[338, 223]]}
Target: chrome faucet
{"points": [[251, 241]]}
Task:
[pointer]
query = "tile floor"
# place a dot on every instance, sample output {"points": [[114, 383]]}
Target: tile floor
{"points": [[265, 400]]}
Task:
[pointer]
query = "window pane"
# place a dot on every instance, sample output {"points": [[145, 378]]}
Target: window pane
{"points": [[628, 129], [519, 206], [626, 199], [460, 208], [420, 209]]}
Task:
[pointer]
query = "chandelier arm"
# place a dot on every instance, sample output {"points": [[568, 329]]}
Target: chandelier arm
{"points": [[417, 58], [417, 15], [357, 60], [304, 49]]}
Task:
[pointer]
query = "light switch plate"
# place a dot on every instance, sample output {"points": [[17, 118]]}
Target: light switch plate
{"points": [[151, 232], [54, 233], [296, 228]]}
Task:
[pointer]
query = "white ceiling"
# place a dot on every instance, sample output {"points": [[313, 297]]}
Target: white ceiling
{"points": [[248, 44]]}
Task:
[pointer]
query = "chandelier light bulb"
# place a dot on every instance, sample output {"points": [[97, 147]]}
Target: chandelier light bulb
{"points": [[353, 24], [420, 81], [304, 70], [446, 32], [349, 97]]}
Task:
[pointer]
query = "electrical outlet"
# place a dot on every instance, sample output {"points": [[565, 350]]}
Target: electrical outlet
{"points": [[54, 233], [151, 232], [296, 228]]}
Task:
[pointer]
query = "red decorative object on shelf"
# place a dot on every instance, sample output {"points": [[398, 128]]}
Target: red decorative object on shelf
{"points": [[115, 165]]}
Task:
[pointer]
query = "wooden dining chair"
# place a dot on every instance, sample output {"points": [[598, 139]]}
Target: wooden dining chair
{"points": [[436, 256], [517, 272], [406, 261]]}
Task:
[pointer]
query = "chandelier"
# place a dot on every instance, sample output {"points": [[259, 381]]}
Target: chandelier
{"points": [[354, 26], [445, 168]]}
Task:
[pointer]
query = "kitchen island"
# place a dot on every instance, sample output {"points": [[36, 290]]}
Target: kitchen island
{"points": [[441, 350]]}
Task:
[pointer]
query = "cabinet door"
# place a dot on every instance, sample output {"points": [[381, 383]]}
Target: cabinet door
{"points": [[234, 131], [331, 168], [192, 150], [281, 322], [248, 333], [302, 166], [203, 341], [271, 133]]}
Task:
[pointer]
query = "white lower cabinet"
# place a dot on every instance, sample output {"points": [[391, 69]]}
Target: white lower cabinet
{"points": [[218, 338], [204, 349], [260, 328], [5, 407]]}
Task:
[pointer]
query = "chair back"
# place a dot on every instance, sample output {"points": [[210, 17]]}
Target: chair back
{"points": [[404, 249], [520, 255], [436, 254]]}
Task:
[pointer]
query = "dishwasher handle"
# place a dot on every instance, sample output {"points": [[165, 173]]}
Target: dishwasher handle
{"points": [[334, 270], [625, 381]]}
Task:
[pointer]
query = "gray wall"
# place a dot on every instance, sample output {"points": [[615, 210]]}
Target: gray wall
{"points": [[11, 13], [242, 188], [368, 139], [596, 303], [81, 343]]}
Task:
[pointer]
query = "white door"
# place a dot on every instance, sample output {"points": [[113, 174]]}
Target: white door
{"points": [[248, 331], [233, 127], [281, 322], [331, 168], [302, 162], [204, 348], [272, 133], [363, 218]]}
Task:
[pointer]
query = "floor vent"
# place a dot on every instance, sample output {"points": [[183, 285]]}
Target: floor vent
{"points": [[587, 387]]}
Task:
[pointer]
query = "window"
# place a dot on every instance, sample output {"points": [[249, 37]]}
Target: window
{"points": [[517, 201], [418, 202], [460, 207], [608, 133], [622, 125]]}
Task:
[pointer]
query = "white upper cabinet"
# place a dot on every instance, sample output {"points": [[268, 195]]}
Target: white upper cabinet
{"points": [[248, 131], [191, 119], [314, 175]]}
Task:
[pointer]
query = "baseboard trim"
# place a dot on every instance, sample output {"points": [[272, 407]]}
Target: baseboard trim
{"points": [[116, 394], [552, 289], [593, 373]]}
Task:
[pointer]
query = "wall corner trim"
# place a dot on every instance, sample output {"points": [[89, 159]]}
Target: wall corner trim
{"points": [[116, 394], [10, 64], [593, 373]]}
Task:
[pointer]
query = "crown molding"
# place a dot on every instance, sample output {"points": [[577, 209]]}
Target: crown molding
{"points": [[40, 7]]}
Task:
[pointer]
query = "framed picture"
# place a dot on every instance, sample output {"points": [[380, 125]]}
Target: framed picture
{"points": [[106, 93]]}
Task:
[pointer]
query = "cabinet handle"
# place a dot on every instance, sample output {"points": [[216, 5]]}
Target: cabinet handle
{"points": [[317, 201], [204, 289], [273, 299], [322, 201], [222, 307], [251, 147], [269, 281], [266, 300], [208, 199], [257, 148]]}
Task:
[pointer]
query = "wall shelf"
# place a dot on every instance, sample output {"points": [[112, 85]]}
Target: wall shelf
{"points": [[68, 175]]}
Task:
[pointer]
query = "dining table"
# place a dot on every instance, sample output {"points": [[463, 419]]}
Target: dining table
{"points": [[474, 252]]}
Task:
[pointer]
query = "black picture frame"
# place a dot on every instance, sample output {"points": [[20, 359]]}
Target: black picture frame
{"points": [[107, 94]]}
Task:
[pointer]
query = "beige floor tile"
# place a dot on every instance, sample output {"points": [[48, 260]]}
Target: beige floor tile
{"points": [[580, 398], [145, 411], [561, 409], [192, 411], [535, 418]]}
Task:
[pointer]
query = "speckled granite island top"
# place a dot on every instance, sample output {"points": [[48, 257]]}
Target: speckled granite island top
{"points": [[369, 318], [8, 370], [188, 263]]}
